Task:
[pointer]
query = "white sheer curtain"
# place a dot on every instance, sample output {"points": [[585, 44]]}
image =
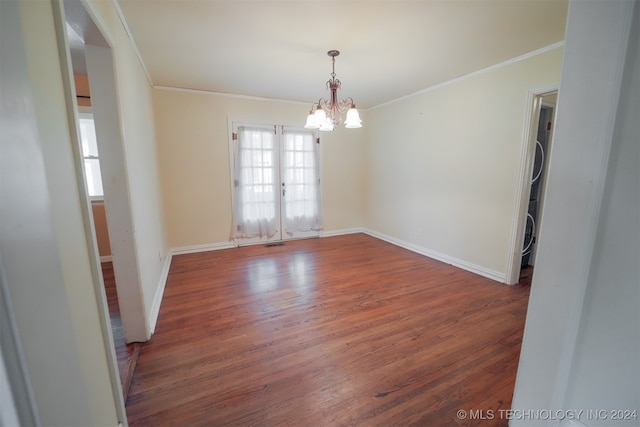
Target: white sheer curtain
{"points": [[256, 192], [301, 178]]}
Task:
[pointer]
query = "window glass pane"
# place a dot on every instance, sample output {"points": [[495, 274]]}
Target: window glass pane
{"points": [[94, 179], [88, 136], [90, 154]]}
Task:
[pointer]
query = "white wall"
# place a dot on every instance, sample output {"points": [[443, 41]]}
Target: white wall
{"points": [[43, 246], [581, 346], [443, 165], [134, 96], [49, 260], [193, 144], [606, 363]]}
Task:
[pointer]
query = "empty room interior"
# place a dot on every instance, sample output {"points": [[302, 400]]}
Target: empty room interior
{"points": [[325, 213]]}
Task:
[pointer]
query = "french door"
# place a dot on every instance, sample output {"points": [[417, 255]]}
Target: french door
{"points": [[276, 183]]}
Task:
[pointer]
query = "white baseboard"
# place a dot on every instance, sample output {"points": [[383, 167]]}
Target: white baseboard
{"points": [[157, 299], [201, 248], [342, 232], [473, 268]]}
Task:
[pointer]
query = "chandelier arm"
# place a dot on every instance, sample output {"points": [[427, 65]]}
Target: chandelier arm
{"points": [[344, 105], [334, 83], [325, 104]]}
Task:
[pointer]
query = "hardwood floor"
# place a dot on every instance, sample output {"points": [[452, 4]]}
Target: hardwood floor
{"points": [[127, 354], [345, 330], [526, 275]]}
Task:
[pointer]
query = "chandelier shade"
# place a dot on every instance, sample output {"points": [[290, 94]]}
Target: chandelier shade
{"points": [[326, 114]]}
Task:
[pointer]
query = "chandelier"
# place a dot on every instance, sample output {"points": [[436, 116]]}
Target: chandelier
{"points": [[326, 113]]}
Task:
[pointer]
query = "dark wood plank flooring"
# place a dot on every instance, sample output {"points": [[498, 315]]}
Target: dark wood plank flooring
{"points": [[126, 354], [345, 330]]}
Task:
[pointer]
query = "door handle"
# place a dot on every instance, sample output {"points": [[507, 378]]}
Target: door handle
{"points": [[284, 191]]}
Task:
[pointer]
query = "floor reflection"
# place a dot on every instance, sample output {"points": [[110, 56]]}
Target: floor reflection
{"points": [[297, 273], [263, 275], [301, 272]]}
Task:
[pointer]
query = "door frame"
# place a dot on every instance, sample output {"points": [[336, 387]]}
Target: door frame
{"points": [[233, 123], [527, 156], [102, 78], [101, 72]]}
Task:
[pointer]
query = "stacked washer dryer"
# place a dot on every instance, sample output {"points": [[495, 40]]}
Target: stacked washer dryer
{"points": [[544, 130]]}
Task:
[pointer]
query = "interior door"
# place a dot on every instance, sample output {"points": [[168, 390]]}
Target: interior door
{"points": [[276, 184]]}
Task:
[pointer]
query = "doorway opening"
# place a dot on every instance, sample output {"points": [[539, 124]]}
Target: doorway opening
{"points": [[126, 354], [536, 195], [276, 184], [534, 171], [89, 71]]}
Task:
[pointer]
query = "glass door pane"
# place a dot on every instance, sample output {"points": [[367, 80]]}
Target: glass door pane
{"points": [[301, 184], [256, 192]]}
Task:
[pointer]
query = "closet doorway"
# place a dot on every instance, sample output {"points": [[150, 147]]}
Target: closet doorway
{"points": [[536, 194], [534, 168]]}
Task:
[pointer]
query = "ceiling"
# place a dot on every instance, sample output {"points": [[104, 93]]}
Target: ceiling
{"points": [[278, 49]]}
